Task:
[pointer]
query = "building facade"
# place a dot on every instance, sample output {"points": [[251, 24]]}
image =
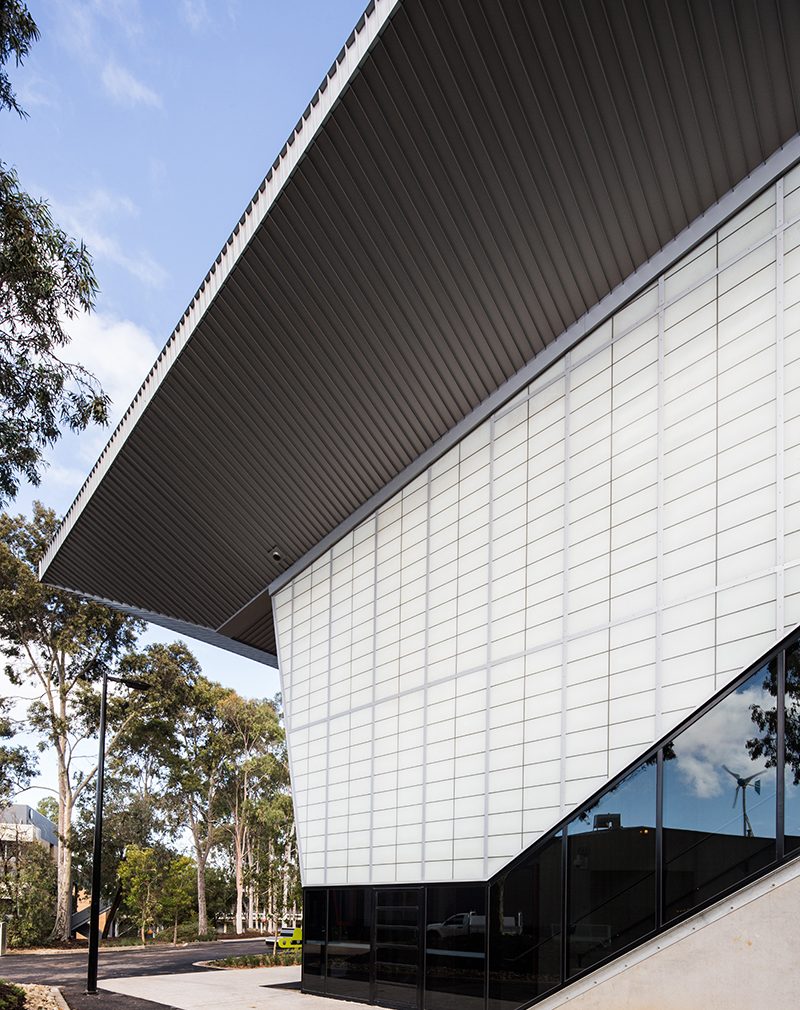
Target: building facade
{"points": [[497, 386], [563, 586]]}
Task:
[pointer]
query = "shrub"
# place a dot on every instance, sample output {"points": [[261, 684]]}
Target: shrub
{"points": [[27, 895], [11, 996], [290, 957], [187, 933]]}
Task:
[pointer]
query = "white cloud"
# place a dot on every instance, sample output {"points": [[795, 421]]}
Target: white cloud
{"points": [[195, 14], [719, 739], [88, 219], [119, 352], [125, 89], [34, 91]]}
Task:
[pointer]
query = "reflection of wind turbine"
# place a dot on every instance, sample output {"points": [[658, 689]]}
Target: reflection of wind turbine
{"points": [[747, 827]]}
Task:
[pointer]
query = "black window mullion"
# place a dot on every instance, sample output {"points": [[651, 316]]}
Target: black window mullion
{"points": [[659, 875], [373, 946], [564, 903], [325, 938], [487, 945], [780, 785]]}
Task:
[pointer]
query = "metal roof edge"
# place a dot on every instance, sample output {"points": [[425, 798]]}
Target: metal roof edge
{"points": [[742, 193], [342, 71], [196, 631]]}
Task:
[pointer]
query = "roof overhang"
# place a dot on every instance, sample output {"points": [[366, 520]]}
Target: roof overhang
{"points": [[473, 189]]}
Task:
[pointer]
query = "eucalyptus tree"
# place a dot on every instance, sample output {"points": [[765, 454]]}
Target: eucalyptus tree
{"points": [[60, 645], [181, 728], [252, 734], [46, 279]]}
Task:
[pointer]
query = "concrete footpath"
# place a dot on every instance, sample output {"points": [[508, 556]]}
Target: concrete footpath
{"points": [[242, 989]]}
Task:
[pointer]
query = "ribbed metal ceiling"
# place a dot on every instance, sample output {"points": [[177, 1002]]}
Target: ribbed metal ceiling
{"points": [[490, 173]]}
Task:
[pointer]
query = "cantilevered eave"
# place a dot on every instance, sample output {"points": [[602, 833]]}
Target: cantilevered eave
{"points": [[317, 111], [764, 176]]}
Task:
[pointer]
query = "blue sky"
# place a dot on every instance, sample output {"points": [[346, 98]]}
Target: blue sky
{"points": [[151, 124]]}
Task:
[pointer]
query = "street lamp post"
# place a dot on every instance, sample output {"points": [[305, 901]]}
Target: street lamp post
{"points": [[94, 908]]}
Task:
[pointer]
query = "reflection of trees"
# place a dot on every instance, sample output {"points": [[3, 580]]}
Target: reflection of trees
{"points": [[764, 747]]}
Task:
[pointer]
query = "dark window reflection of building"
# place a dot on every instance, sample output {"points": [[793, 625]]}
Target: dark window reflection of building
{"points": [[719, 796], [349, 942], [792, 739], [314, 926], [611, 871], [398, 946], [525, 929], [455, 948]]}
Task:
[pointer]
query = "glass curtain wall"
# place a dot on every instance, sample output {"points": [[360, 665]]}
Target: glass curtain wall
{"points": [[707, 810], [719, 796], [525, 928], [611, 871], [455, 948]]}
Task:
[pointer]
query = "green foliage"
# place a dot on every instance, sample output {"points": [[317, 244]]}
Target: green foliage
{"points": [[17, 31], [48, 807], [130, 817], [187, 932], [11, 996], [58, 627], [178, 891], [27, 892], [17, 764], [141, 878], [46, 279]]}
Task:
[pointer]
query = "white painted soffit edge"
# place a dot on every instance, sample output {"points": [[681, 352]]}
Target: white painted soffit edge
{"points": [[208, 635], [764, 176], [316, 113]]}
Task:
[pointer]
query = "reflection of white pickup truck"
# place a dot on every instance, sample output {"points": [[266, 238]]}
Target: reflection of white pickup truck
{"points": [[460, 924]]}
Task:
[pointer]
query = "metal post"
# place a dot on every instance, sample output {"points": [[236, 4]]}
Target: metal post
{"points": [[94, 911]]}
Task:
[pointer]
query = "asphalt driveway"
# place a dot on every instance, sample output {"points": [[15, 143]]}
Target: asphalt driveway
{"points": [[67, 969], [165, 978]]}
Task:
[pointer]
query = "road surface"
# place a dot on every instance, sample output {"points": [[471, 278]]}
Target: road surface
{"points": [[67, 969]]}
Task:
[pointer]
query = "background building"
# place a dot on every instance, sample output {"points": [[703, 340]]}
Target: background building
{"points": [[21, 823], [497, 388]]}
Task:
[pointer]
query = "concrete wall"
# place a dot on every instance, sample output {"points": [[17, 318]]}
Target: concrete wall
{"points": [[564, 585]]}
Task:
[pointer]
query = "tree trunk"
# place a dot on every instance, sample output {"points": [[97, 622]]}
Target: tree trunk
{"points": [[270, 889], [239, 873], [202, 912], [175, 932], [287, 866], [251, 906], [62, 927], [141, 934]]}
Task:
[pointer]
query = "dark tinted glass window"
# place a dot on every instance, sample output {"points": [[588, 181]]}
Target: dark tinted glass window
{"points": [[719, 797], [455, 948], [349, 938], [525, 929], [398, 946], [314, 918], [792, 736], [611, 871]]}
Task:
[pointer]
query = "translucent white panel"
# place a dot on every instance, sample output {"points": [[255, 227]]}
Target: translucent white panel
{"points": [[436, 618]]}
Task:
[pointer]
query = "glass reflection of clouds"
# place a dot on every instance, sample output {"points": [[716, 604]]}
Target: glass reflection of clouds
{"points": [[719, 797], [700, 790]]}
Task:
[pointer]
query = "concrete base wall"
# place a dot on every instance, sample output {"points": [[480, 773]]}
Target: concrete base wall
{"points": [[740, 954]]}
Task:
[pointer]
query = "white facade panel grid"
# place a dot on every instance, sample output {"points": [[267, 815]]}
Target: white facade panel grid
{"points": [[572, 579]]}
